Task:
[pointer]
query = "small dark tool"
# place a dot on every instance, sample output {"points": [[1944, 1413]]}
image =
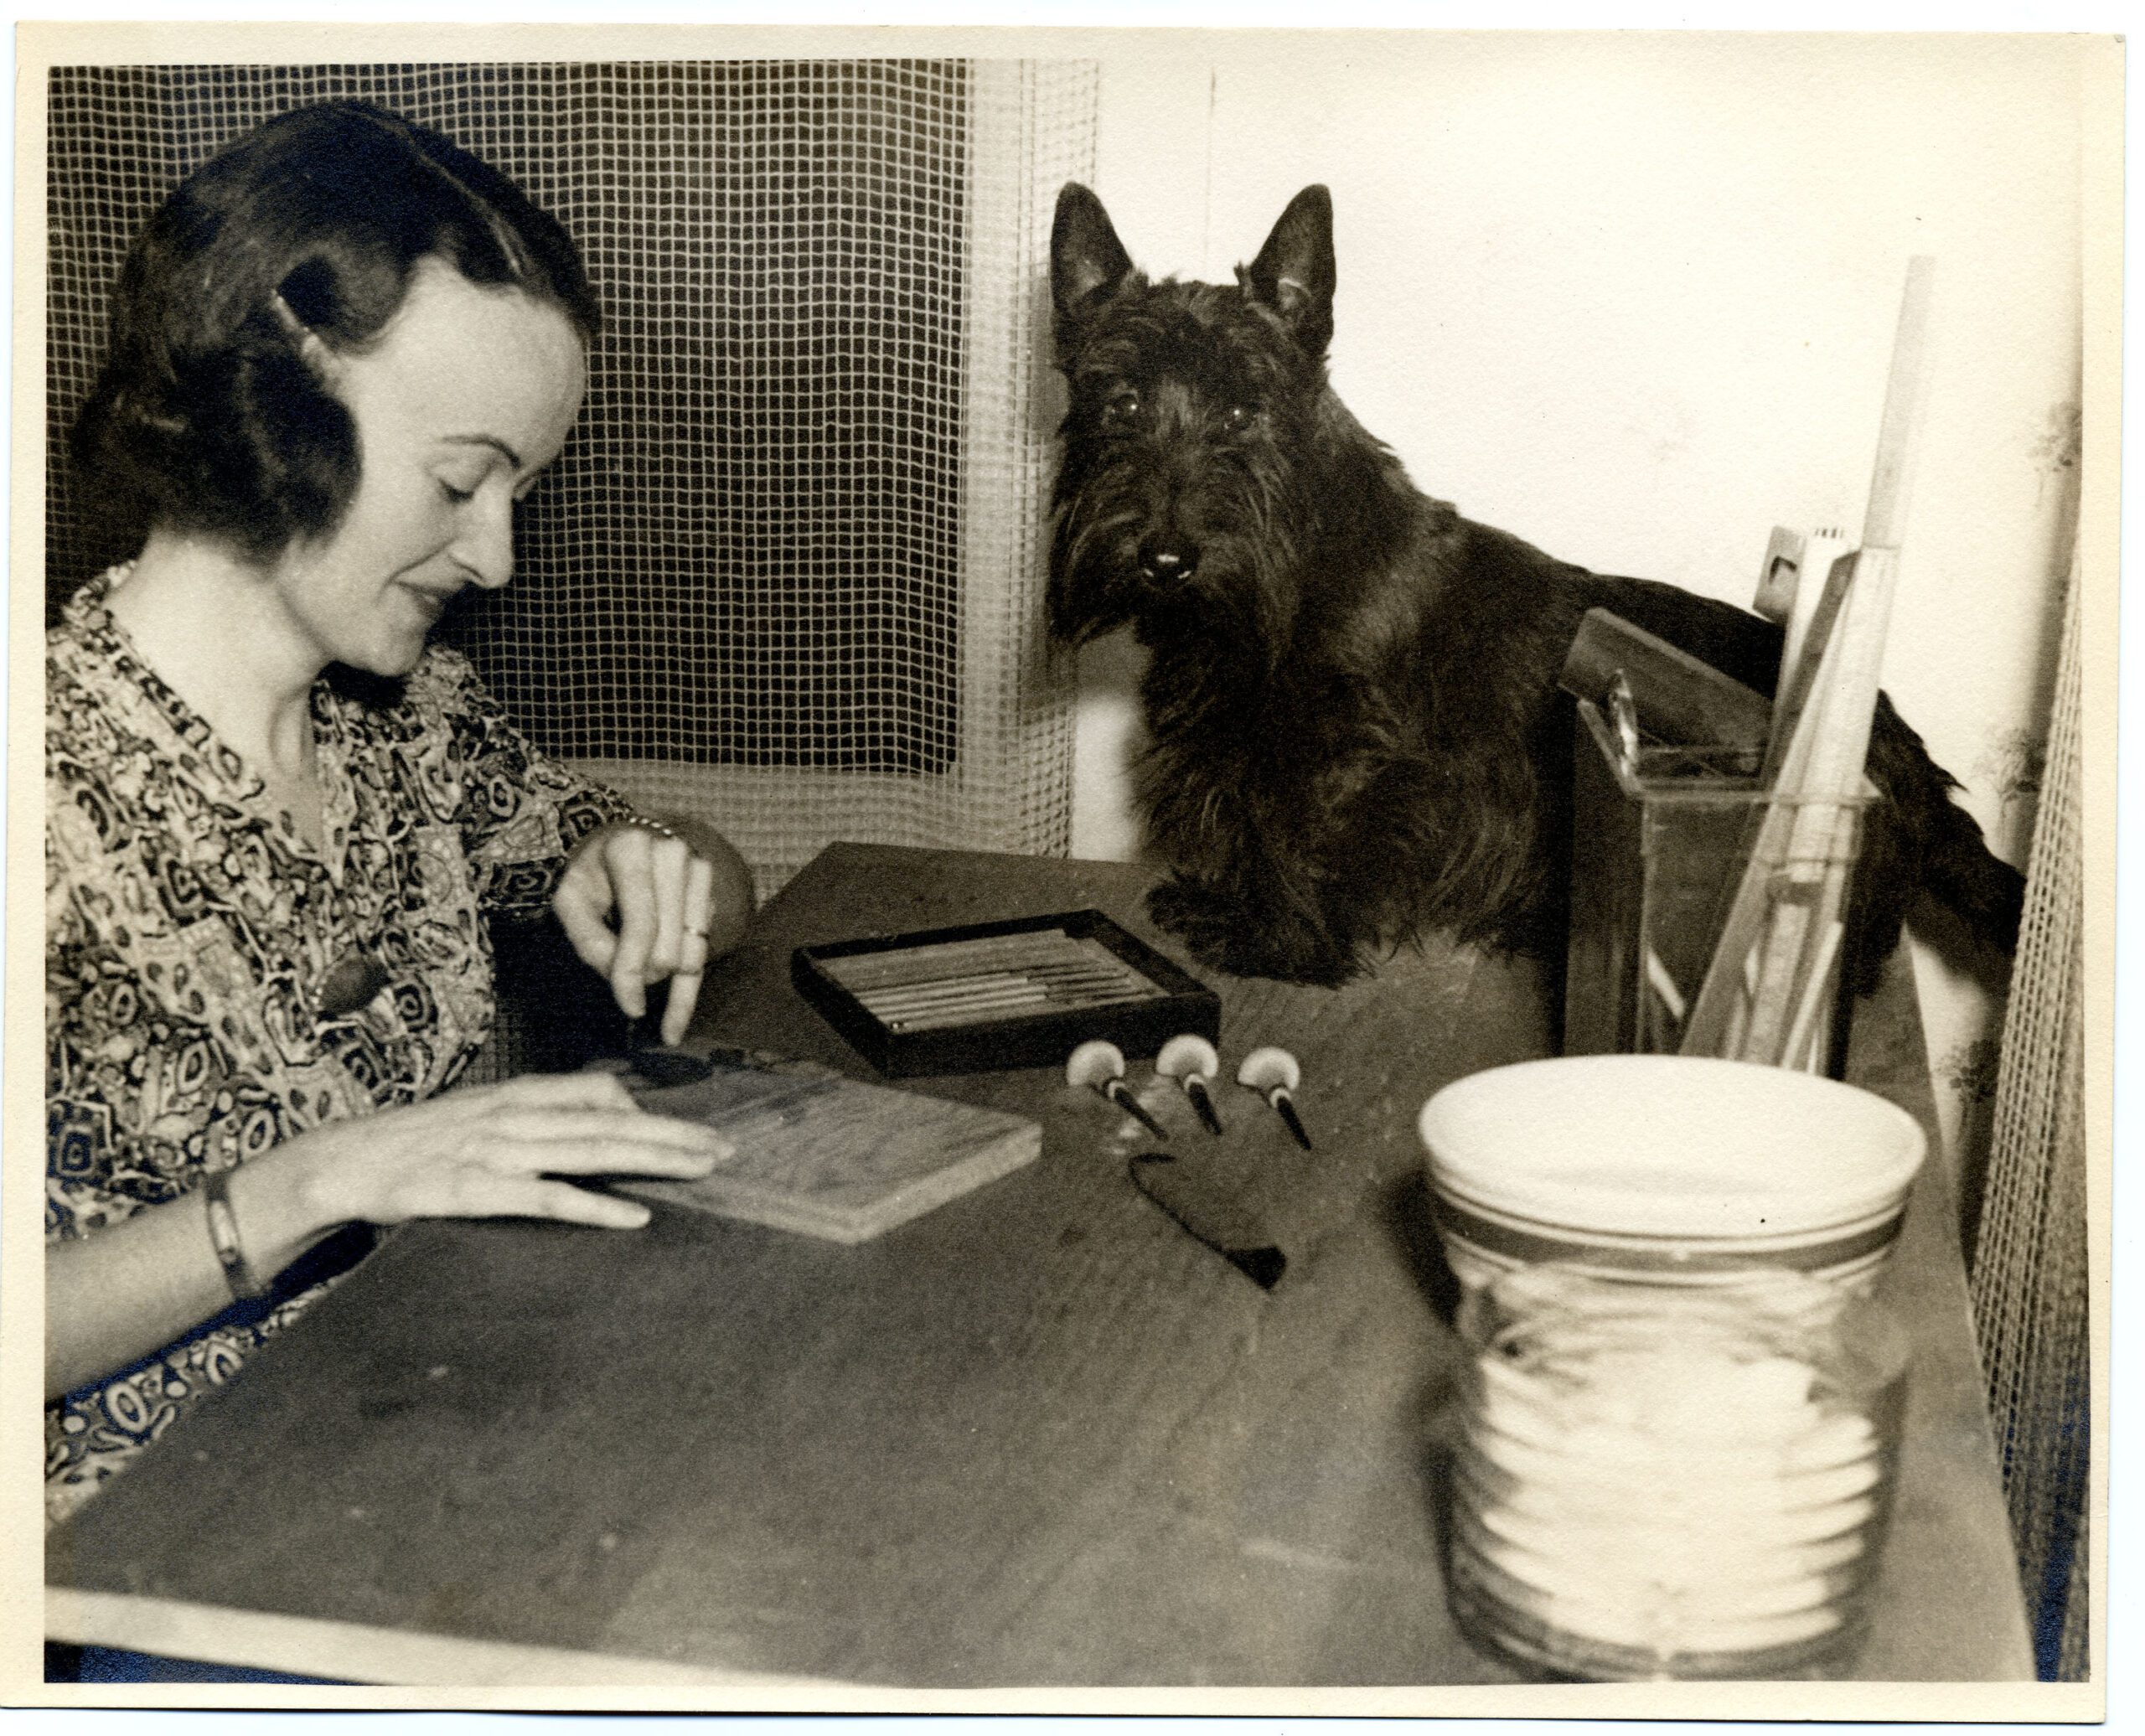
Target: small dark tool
{"points": [[654, 1063], [1099, 1065], [1191, 1060], [1275, 1072], [652, 1060], [669, 1066], [1208, 1217]]}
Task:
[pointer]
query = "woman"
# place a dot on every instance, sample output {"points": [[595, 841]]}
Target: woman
{"points": [[275, 817]]}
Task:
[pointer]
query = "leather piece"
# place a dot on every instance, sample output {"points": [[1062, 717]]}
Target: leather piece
{"points": [[1210, 1215]]}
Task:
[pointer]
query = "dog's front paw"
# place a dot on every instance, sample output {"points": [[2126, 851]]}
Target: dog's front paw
{"points": [[1224, 932], [1312, 961], [1200, 917], [1291, 956]]}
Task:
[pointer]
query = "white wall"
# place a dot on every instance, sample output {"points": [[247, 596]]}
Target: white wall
{"points": [[1632, 297]]}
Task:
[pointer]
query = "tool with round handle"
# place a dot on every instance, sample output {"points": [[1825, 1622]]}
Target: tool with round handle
{"points": [[1191, 1060], [1099, 1066], [1275, 1073]]}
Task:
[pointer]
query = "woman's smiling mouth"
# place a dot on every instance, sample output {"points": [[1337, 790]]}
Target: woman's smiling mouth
{"points": [[431, 602]]}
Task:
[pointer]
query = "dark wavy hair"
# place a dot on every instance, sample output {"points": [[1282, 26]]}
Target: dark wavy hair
{"points": [[206, 416]]}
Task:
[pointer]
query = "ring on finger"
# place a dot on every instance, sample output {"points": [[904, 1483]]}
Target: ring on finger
{"points": [[642, 823]]}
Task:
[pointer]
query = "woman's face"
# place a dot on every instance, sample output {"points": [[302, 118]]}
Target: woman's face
{"points": [[468, 393]]}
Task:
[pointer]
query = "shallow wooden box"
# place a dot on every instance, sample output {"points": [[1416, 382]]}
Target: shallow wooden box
{"points": [[1041, 1035]]}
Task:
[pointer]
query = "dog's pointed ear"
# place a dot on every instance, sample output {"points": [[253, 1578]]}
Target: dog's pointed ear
{"points": [[1294, 273], [1087, 259]]}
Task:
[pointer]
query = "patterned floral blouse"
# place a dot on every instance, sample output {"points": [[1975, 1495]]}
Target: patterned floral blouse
{"points": [[200, 955]]}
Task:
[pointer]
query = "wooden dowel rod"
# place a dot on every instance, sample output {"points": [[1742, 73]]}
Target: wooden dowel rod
{"points": [[1773, 999], [897, 1000], [1844, 702], [1015, 1008], [1794, 1051], [1906, 394], [944, 953], [1016, 986], [876, 970], [1799, 681], [998, 973], [1738, 1014], [1715, 1026], [1811, 610]]}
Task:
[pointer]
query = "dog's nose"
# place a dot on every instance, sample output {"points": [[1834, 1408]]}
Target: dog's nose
{"points": [[1175, 558]]}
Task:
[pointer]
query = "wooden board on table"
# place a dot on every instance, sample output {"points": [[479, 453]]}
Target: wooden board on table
{"points": [[832, 1157]]}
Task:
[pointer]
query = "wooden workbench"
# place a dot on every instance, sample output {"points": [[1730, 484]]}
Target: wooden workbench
{"points": [[1039, 1436]]}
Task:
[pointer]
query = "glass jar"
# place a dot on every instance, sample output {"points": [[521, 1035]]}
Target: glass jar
{"points": [[1654, 1482]]}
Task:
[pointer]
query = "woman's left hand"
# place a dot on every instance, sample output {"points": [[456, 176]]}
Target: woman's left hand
{"points": [[677, 902]]}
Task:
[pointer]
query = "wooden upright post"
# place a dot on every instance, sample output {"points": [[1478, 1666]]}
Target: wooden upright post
{"points": [[1779, 906]]}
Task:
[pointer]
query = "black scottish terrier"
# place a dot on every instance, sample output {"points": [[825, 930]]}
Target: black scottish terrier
{"points": [[1356, 736]]}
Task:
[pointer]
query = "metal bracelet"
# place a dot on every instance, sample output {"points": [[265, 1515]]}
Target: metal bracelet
{"points": [[223, 1237]]}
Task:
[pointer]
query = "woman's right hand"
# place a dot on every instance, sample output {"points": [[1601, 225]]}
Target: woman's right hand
{"points": [[496, 1151], [488, 1151]]}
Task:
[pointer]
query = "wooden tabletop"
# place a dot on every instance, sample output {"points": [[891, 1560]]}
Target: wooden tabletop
{"points": [[1039, 1436]]}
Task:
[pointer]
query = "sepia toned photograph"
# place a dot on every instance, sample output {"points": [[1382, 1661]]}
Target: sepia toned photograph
{"points": [[1154, 872]]}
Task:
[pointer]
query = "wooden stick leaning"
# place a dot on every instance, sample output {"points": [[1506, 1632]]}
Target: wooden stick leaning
{"points": [[1721, 1024], [1846, 699], [1814, 595], [1803, 588], [1817, 807], [1800, 1050], [1819, 774]]}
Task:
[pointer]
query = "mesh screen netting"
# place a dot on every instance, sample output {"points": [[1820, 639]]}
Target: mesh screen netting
{"points": [[787, 574], [2030, 1288]]}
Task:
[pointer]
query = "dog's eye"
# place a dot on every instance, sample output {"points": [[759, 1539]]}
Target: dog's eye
{"points": [[1237, 417], [1124, 407]]}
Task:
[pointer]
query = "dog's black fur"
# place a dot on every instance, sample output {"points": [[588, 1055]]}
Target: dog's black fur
{"points": [[1356, 733]]}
